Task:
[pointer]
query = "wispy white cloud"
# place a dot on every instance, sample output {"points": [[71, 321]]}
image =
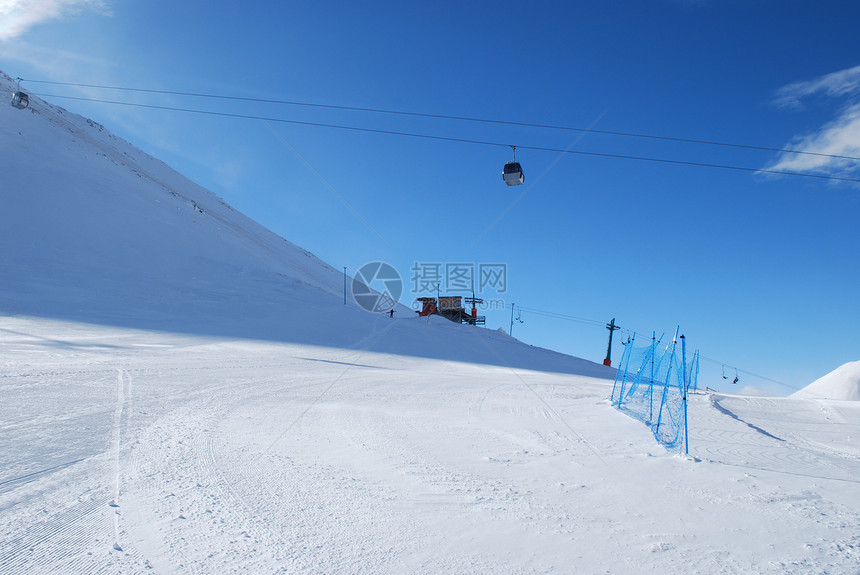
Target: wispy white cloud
{"points": [[838, 137], [836, 84], [54, 60], [54, 63], [18, 16]]}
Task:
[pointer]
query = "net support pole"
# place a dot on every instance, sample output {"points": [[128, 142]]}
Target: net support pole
{"points": [[685, 386], [695, 371], [619, 374], [651, 380], [623, 371], [665, 390]]}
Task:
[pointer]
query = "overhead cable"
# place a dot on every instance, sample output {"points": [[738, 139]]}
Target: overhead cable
{"points": [[451, 117], [463, 140]]}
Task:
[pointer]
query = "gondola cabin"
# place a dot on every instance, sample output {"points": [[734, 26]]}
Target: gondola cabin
{"points": [[513, 174], [20, 100]]}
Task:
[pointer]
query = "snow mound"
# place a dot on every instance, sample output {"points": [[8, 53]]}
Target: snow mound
{"points": [[841, 383]]}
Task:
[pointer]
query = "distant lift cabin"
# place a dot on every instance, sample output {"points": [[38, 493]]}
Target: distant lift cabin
{"points": [[513, 172], [19, 99]]}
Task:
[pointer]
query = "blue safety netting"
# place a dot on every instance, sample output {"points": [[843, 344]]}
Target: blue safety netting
{"points": [[652, 384]]}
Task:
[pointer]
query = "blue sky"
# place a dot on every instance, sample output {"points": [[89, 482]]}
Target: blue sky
{"points": [[760, 271]]}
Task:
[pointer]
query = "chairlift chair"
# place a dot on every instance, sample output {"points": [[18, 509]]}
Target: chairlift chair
{"points": [[513, 172]]}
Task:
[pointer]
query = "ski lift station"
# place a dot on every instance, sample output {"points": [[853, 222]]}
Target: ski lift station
{"points": [[451, 308]]}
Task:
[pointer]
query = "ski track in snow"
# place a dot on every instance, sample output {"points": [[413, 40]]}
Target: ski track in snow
{"points": [[243, 457]]}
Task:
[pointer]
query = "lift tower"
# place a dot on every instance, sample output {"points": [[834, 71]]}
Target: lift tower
{"points": [[611, 327]]}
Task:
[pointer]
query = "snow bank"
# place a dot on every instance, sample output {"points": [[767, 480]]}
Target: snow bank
{"points": [[841, 383]]}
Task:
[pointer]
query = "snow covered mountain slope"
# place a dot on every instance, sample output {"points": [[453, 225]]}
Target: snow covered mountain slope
{"points": [[841, 383], [94, 230], [95, 227]]}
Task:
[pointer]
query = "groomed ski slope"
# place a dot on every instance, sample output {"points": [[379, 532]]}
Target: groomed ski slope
{"points": [[205, 455], [185, 392]]}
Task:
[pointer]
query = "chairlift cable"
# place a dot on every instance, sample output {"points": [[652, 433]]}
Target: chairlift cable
{"points": [[556, 315], [452, 117], [634, 333], [460, 140], [783, 384]]}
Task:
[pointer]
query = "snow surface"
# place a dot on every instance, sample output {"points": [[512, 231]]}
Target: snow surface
{"points": [[185, 392], [841, 383]]}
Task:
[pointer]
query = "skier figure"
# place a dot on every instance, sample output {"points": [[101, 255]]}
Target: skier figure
{"points": [[391, 313]]}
